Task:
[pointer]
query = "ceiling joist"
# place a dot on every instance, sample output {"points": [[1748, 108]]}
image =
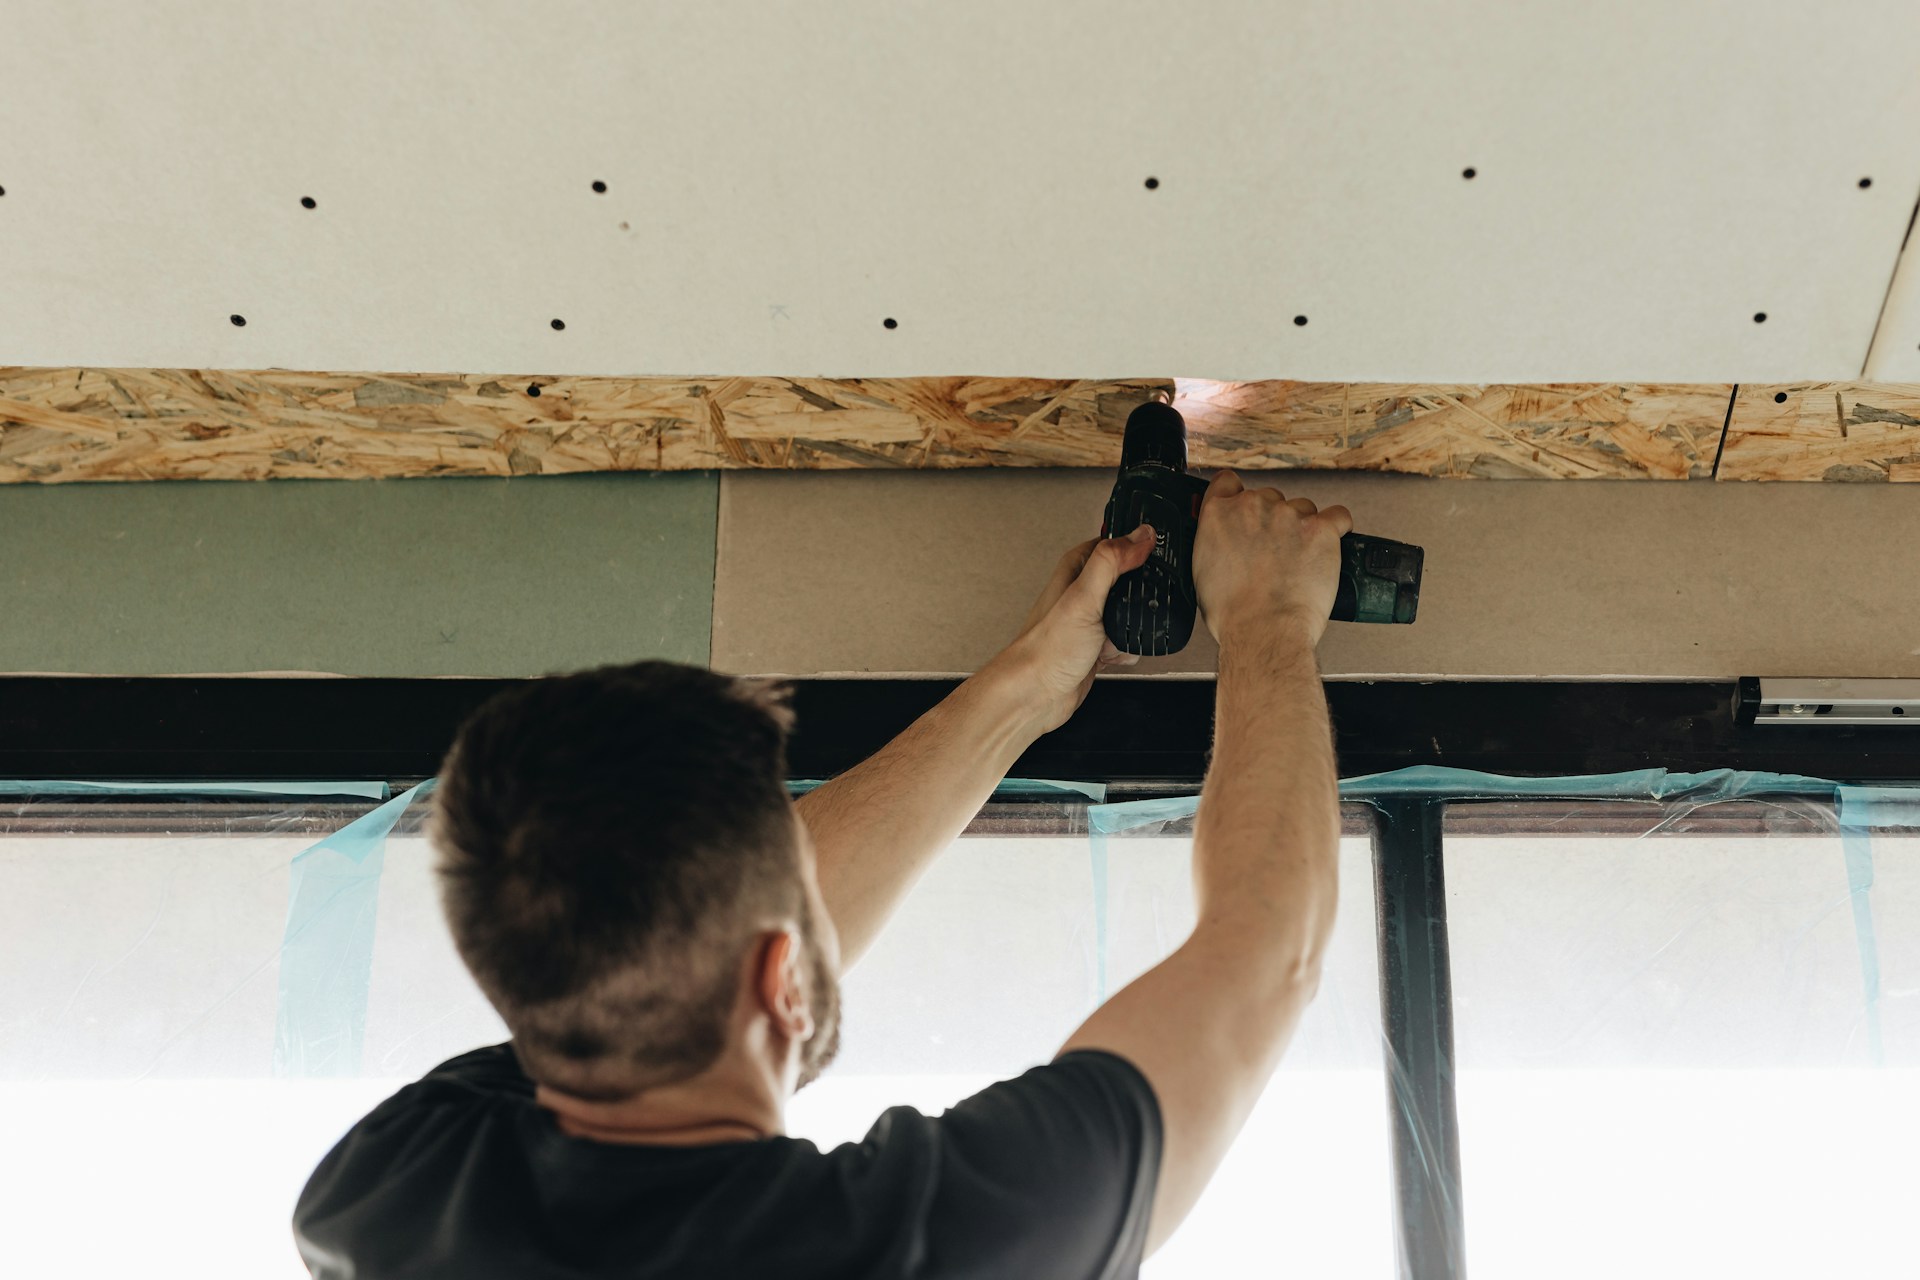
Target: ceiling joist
{"points": [[61, 425]]}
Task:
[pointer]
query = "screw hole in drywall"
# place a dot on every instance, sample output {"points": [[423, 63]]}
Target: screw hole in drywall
{"points": [[1469, 173], [307, 202], [599, 187], [1865, 183], [239, 322], [1759, 317], [1299, 319], [3, 191], [890, 323], [1153, 184], [558, 324], [533, 389], [1779, 397]]}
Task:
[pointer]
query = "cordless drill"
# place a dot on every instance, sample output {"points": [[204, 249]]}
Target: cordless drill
{"points": [[1151, 610]]}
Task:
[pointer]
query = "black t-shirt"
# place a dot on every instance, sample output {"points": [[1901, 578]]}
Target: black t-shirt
{"points": [[1050, 1175]]}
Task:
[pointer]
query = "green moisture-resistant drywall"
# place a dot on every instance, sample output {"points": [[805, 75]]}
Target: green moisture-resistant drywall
{"points": [[379, 578]]}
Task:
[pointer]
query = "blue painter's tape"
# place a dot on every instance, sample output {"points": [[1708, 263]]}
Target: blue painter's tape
{"points": [[1856, 849], [1868, 807], [1861, 810], [68, 787], [1131, 815], [326, 955]]}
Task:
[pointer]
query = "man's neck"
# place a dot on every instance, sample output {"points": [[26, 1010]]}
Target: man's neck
{"points": [[728, 1102]]}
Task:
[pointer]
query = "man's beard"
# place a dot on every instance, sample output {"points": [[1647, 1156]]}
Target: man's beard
{"points": [[824, 990]]}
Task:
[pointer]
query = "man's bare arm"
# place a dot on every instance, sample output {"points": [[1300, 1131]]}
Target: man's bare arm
{"points": [[1207, 1026], [877, 826]]}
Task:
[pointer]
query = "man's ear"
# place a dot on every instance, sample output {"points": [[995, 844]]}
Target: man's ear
{"points": [[780, 985]]}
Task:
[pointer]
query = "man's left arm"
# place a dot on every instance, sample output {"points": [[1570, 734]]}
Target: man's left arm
{"points": [[876, 827]]}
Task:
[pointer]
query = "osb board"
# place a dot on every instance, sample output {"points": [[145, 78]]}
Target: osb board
{"points": [[1570, 431], [1824, 431], [167, 424]]}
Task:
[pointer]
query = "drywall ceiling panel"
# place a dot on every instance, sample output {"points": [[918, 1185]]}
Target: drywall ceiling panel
{"points": [[1896, 342], [833, 572], [1648, 176]]}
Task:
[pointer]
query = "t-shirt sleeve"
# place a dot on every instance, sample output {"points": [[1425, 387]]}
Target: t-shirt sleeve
{"points": [[1049, 1174]]}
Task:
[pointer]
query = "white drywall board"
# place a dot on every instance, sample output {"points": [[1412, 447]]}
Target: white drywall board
{"points": [[1896, 342], [1649, 175]]}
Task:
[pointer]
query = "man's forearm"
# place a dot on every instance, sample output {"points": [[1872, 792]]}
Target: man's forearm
{"points": [[1266, 838], [877, 826]]}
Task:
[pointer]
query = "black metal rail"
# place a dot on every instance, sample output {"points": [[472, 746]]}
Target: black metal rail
{"points": [[1130, 732], [1416, 1014]]}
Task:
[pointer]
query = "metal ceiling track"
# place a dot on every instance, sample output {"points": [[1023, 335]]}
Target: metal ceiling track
{"points": [[1882, 703]]}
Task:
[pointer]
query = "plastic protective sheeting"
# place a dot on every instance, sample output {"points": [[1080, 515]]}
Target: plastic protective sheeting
{"points": [[147, 982], [162, 936], [1749, 973], [1857, 810], [326, 957], [175, 930], [1443, 783], [1008, 943], [1039, 788], [1687, 1031], [1728, 935], [306, 943]]}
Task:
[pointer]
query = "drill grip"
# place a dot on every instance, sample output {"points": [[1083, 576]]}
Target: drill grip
{"points": [[1151, 611]]}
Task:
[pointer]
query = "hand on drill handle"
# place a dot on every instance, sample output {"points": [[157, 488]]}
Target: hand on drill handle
{"points": [[1062, 645], [1264, 563]]}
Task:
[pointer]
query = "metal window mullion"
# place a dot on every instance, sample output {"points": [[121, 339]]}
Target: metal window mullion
{"points": [[1416, 1010]]}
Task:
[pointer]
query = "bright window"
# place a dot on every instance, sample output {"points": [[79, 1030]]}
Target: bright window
{"points": [[1664, 1059], [137, 1021], [144, 1132], [995, 958]]}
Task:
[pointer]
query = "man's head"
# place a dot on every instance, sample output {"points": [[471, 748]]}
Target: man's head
{"points": [[618, 861]]}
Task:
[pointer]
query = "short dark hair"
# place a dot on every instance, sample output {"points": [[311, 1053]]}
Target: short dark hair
{"points": [[610, 842]]}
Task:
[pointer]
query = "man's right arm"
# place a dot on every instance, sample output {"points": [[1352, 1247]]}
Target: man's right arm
{"points": [[1208, 1024]]}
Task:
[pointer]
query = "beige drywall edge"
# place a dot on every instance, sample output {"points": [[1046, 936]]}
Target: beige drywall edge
{"points": [[895, 574]]}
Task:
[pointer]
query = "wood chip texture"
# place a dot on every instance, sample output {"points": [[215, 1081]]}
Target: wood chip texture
{"points": [[1845, 431], [175, 424]]}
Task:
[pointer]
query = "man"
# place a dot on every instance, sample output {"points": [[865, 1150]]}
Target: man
{"points": [[662, 931]]}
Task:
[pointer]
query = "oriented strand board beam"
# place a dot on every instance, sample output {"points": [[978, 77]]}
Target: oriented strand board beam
{"points": [[1568, 431], [168, 424], [1824, 431]]}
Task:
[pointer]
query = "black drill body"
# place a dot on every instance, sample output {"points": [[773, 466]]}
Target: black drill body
{"points": [[1151, 610]]}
